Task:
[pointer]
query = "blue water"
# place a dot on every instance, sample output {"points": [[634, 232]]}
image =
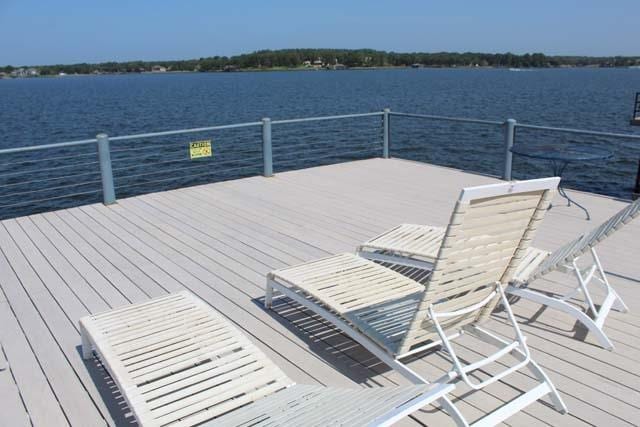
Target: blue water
{"points": [[46, 110]]}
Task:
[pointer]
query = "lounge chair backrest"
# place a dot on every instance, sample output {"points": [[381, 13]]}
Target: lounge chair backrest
{"points": [[488, 234], [575, 248]]}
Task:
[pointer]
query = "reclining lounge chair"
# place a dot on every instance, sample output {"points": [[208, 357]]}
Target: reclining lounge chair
{"points": [[395, 317], [417, 246]]}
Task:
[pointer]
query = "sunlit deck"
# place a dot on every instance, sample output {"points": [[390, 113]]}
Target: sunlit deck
{"points": [[220, 240]]}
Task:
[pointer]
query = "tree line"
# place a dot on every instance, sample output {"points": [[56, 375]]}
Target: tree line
{"points": [[295, 58]]}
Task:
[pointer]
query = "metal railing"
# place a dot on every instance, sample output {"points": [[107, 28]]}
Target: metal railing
{"points": [[257, 158]]}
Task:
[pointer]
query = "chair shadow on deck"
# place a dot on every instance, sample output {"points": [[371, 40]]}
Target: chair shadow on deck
{"points": [[327, 342], [350, 358], [109, 392], [335, 348]]}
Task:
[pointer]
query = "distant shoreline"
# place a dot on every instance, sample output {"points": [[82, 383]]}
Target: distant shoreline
{"points": [[300, 69], [333, 59]]}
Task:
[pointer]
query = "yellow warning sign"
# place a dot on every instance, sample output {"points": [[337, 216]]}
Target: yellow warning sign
{"points": [[198, 149]]}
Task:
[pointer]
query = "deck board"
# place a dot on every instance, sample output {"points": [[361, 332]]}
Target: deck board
{"points": [[21, 365], [220, 240]]}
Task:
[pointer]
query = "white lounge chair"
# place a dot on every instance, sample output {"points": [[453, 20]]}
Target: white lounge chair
{"points": [[178, 362], [417, 246], [395, 317]]}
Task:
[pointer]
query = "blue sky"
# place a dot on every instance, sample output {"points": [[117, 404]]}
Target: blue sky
{"points": [[68, 31]]}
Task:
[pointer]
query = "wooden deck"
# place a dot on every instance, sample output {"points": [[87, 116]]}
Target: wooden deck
{"points": [[220, 240]]}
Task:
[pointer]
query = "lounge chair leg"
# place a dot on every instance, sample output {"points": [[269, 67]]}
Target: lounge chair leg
{"points": [[584, 282], [447, 405], [409, 374], [87, 348], [453, 412], [564, 307], [521, 353], [532, 366], [558, 403], [268, 295], [619, 303]]}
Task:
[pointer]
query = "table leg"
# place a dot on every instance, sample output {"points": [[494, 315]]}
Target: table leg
{"points": [[558, 170], [564, 194]]}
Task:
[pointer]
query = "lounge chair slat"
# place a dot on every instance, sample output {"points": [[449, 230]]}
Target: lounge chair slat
{"points": [[126, 324], [135, 309], [157, 357], [144, 329], [135, 348], [197, 377], [237, 358], [174, 305], [212, 386], [167, 367], [191, 407]]}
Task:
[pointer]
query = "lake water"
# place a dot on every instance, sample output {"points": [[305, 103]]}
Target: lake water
{"points": [[47, 110]]}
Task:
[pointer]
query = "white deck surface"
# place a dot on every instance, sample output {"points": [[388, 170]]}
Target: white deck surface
{"points": [[220, 240]]}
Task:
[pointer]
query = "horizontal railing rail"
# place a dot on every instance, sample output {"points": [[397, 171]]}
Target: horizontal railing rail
{"points": [[448, 118], [580, 131], [74, 166], [184, 131], [41, 147], [323, 118]]}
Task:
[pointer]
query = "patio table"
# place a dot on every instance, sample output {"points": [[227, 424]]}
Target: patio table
{"points": [[560, 156]]}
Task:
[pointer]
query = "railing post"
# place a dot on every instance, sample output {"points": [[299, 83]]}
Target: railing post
{"points": [[386, 134], [267, 153], [509, 138], [104, 156]]}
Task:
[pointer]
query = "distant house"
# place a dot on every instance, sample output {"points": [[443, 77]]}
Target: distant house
{"points": [[158, 69], [306, 64], [25, 72], [318, 63]]}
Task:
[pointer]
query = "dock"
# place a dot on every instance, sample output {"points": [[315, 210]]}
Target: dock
{"points": [[220, 240]]}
